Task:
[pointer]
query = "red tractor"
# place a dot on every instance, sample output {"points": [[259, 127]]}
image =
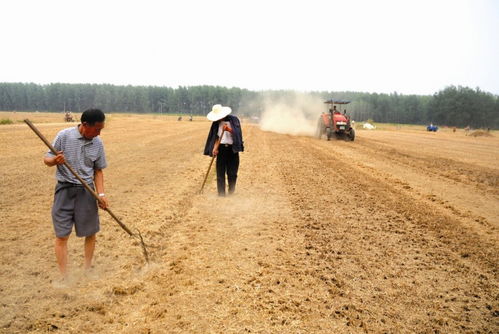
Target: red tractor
{"points": [[335, 123]]}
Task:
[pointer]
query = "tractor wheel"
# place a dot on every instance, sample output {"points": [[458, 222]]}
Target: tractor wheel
{"points": [[328, 133], [351, 135]]}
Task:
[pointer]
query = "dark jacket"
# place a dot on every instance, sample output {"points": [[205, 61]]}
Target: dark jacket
{"points": [[237, 136]]}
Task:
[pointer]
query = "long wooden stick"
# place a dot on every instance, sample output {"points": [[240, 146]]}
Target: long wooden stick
{"points": [[209, 167], [87, 187]]}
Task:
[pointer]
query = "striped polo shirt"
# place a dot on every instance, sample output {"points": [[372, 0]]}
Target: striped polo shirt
{"points": [[84, 155]]}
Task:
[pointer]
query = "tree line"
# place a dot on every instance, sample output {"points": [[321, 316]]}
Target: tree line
{"points": [[452, 106]]}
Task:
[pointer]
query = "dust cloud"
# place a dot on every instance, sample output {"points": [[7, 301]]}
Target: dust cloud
{"points": [[294, 115]]}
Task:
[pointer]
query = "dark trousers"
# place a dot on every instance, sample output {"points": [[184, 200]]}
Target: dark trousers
{"points": [[227, 162]]}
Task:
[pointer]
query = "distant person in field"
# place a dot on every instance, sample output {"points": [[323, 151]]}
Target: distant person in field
{"points": [[68, 117], [346, 116], [73, 205], [225, 141]]}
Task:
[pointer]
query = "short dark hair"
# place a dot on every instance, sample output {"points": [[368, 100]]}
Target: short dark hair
{"points": [[91, 116]]}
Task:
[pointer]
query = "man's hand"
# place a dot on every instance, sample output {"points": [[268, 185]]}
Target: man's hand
{"points": [[227, 128], [215, 151], [103, 203], [57, 160]]}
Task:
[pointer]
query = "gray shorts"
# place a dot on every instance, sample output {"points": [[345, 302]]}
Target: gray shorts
{"points": [[74, 205]]}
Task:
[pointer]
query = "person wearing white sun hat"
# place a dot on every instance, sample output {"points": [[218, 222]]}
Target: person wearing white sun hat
{"points": [[226, 148]]}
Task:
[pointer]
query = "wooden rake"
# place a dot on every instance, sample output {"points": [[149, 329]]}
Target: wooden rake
{"points": [[209, 167], [137, 235]]}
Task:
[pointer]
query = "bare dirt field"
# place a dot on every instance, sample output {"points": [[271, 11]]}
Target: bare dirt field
{"points": [[396, 232]]}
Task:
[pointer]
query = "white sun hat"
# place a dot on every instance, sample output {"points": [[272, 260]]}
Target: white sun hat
{"points": [[218, 112]]}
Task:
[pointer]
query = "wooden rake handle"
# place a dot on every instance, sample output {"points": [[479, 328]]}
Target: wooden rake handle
{"points": [[209, 167]]}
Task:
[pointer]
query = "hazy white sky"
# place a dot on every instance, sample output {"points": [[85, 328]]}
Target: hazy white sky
{"points": [[374, 46]]}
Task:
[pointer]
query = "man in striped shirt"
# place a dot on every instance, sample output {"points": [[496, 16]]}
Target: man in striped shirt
{"points": [[82, 149]]}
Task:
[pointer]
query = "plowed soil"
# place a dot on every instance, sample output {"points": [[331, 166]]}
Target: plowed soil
{"points": [[396, 232]]}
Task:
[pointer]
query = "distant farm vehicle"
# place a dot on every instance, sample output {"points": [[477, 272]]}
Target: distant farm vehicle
{"points": [[432, 128], [333, 123], [68, 117]]}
